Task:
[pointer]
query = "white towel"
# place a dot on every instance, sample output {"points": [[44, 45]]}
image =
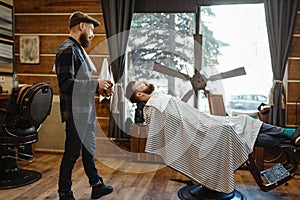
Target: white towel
{"points": [[104, 74], [90, 62]]}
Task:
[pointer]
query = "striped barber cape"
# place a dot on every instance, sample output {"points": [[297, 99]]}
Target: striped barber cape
{"points": [[206, 148]]}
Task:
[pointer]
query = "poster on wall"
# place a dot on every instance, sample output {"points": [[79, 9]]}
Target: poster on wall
{"points": [[6, 56], [6, 21], [29, 49]]}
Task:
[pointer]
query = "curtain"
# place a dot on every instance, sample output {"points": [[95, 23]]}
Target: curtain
{"points": [[280, 19], [117, 16]]}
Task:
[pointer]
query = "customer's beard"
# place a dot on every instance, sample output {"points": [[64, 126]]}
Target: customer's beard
{"points": [[84, 40], [149, 89]]}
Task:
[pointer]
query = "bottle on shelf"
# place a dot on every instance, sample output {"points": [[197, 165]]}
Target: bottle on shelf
{"points": [[15, 82]]}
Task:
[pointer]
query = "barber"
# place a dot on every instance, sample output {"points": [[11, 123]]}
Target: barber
{"points": [[77, 91]]}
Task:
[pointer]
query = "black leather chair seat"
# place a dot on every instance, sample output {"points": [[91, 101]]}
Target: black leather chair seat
{"points": [[13, 141], [22, 131]]}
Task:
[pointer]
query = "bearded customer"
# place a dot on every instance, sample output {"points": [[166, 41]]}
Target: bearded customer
{"points": [[77, 90], [198, 144]]}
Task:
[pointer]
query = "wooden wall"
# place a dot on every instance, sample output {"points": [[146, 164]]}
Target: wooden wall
{"points": [[10, 2], [49, 20], [293, 79]]}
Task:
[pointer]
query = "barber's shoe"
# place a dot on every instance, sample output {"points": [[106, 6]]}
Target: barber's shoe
{"points": [[295, 138], [66, 196], [101, 190]]}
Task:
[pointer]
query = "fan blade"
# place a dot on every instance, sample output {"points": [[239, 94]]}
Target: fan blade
{"points": [[198, 51], [168, 71], [187, 96], [232, 73]]}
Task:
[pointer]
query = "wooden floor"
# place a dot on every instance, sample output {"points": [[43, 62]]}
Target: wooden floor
{"points": [[130, 182]]}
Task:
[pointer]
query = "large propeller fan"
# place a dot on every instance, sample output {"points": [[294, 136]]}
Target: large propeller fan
{"points": [[198, 81]]}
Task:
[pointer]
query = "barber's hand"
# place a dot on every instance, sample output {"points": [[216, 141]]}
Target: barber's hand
{"points": [[105, 87]]}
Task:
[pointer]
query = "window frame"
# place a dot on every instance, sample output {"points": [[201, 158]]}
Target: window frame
{"points": [[156, 6]]}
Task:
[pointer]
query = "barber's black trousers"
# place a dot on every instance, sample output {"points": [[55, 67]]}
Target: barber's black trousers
{"points": [[74, 144]]}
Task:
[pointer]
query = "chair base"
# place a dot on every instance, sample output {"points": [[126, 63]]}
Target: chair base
{"points": [[198, 192], [18, 178]]}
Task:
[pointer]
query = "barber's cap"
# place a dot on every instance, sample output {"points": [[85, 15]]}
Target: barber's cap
{"points": [[78, 17]]}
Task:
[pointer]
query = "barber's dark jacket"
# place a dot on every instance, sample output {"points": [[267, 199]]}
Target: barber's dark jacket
{"points": [[76, 85]]}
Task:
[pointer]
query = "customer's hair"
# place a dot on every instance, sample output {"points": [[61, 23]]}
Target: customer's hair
{"points": [[130, 92]]}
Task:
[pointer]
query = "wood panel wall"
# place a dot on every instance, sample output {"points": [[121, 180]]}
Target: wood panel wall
{"points": [[10, 2], [49, 19], [293, 79]]}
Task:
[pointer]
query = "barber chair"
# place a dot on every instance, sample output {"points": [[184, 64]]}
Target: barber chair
{"points": [[20, 122], [267, 179], [139, 116]]}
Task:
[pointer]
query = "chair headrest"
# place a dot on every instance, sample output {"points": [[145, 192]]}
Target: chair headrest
{"points": [[35, 102]]}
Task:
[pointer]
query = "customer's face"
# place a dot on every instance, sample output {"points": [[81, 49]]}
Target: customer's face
{"points": [[145, 87]]}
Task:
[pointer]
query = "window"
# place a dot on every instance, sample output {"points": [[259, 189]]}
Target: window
{"points": [[166, 38], [163, 38], [233, 36], [242, 28]]}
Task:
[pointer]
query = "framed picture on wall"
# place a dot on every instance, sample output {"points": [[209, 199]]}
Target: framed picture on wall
{"points": [[6, 56], [6, 21], [29, 49]]}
